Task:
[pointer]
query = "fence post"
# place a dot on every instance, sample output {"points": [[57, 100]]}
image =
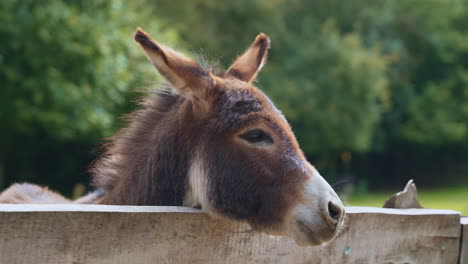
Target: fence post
{"points": [[464, 241]]}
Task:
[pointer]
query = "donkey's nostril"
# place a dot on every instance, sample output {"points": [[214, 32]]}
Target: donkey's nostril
{"points": [[334, 211]]}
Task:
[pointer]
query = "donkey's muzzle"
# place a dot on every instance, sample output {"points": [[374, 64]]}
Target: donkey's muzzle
{"points": [[319, 217]]}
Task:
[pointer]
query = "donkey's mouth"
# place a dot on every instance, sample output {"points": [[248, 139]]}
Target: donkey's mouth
{"points": [[304, 236]]}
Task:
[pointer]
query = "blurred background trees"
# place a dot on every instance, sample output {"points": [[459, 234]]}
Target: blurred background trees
{"points": [[376, 91], [67, 69]]}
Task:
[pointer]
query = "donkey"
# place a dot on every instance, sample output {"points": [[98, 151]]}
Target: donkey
{"points": [[212, 141]]}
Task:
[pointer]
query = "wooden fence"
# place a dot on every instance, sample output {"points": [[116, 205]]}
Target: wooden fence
{"points": [[146, 234]]}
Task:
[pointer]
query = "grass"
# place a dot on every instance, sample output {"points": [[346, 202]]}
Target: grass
{"points": [[455, 198]]}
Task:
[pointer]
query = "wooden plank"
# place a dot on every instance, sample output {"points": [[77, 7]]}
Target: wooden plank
{"points": [[131, 234], [464, 241]]}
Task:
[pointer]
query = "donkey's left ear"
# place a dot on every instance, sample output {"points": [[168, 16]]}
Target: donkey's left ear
{"points": [[247, 66], [184, 74]]}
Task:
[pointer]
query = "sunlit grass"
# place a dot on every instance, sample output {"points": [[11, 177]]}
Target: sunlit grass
{"points": [[444, 198]]}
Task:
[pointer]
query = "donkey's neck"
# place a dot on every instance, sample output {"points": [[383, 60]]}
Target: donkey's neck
{"points": [[147, 163]]}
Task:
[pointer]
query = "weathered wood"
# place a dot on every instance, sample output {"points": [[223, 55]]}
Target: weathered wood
{"points": [[464, 241], [131, 234], [408, 198]]}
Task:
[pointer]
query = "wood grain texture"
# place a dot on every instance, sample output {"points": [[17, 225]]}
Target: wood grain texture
{"points": [[464, 241], [130, 234]]}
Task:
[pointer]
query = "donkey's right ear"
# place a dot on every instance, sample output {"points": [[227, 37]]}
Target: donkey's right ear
{"points": [[186, 76]]}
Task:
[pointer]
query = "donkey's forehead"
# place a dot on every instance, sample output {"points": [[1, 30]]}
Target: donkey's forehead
{"points": [[240, 95], [241, 103], [242, 100]]}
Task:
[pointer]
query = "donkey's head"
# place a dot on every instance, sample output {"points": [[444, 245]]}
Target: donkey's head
{"points": [[244, 161]]}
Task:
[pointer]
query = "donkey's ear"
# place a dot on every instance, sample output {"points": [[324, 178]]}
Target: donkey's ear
{"points": [[247, 66], [186, 76]]}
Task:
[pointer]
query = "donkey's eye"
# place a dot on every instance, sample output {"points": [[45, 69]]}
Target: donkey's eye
{"points": [[257, 136]]}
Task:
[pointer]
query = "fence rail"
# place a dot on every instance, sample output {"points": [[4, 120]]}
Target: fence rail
{"points": [[146, 234]]}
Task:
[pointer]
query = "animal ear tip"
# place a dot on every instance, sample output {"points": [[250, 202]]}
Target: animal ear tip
{"points": [[263, 39], [139, 35]]}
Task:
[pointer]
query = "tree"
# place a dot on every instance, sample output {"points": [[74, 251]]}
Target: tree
{"points": [[67, 71]]}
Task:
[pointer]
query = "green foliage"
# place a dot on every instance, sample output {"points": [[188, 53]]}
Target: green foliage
{"points": [[67, 65], [438, 48], [67, 69]]}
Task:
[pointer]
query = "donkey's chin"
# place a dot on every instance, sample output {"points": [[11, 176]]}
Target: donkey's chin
{"points": [[304, 234]]}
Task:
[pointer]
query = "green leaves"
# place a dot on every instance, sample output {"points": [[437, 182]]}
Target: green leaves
{"points": [[69, 66], [69, 69]]}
